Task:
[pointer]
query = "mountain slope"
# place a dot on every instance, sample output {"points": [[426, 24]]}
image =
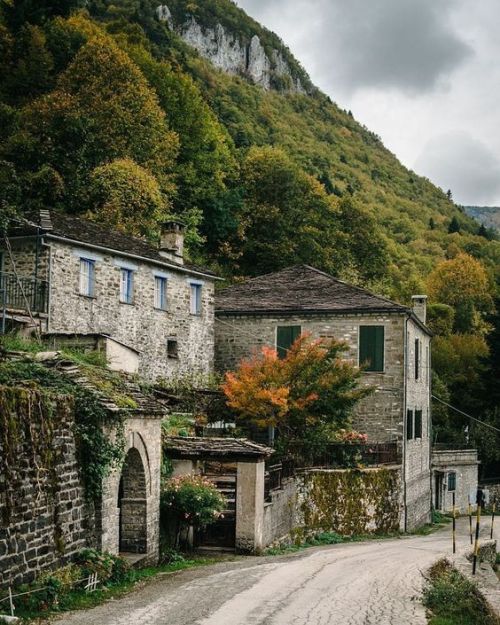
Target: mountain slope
{"points": [[265, 174], [489, 216]]}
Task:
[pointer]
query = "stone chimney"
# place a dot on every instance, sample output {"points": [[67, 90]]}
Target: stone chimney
{"points": [[172, 241], [419, 306]]}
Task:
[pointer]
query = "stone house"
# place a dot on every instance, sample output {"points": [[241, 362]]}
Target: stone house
{"points": [[454, 472], [390, 340], [79, 282]]}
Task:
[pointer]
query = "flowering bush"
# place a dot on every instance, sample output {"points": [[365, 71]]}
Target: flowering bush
{"points": [[192, 500], [350, 436]]}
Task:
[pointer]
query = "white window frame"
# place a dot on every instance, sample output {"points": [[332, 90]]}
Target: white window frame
{"points": [[126, 285], [196, 296], [87, 277], [161, 292]]}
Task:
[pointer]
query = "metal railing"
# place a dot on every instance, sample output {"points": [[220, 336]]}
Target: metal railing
{"points": [[25, 294]]}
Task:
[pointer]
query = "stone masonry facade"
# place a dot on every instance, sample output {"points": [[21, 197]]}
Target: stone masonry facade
{"points": [[45, 526], [139, 325], [381, 415]]}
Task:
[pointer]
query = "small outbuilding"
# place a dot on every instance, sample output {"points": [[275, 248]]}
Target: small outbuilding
{"points": [[237, 468], [454, 471]]}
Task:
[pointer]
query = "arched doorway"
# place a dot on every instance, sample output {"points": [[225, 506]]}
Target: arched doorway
{"points": [[132, 504]]}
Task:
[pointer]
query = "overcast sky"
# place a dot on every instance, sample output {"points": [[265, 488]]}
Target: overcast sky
{"points": [[423, 74]]}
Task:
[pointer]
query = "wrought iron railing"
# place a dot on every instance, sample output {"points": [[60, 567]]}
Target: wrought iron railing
{"points": [[25, 294]]}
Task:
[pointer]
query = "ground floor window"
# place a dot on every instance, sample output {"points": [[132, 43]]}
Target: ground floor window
{"points": [[452, 481], [285, 338]]}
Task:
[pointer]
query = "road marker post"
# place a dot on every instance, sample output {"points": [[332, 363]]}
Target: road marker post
{"points": [[454, 526], [476, 544], [469, 512], [492, 519]]}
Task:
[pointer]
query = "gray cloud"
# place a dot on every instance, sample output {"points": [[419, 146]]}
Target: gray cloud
{"points": [[459, 162], [404, 44]]}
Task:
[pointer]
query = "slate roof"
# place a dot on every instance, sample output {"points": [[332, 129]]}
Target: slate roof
{"points": [[300, 289], [138, 402], [179, 447], [56, 224]]}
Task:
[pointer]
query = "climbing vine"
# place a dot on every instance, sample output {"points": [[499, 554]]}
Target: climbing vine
{"points": [[35, 403]]}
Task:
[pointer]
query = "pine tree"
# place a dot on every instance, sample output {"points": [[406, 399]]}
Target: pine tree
{"points": [[454, 226]]}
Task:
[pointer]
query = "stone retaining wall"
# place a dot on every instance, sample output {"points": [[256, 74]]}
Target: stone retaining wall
{"points": [[348, 502]]}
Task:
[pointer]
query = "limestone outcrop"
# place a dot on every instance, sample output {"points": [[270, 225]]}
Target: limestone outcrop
{"points": [[234, 56]]}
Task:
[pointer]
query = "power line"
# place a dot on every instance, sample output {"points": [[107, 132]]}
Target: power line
{"points": [[487, 425]]}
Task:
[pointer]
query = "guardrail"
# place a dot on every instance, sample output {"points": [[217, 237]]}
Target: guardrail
{"points": [[25, 294]]}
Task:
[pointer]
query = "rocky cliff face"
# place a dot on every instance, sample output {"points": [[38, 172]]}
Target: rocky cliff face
{"points": [[234, 56]]}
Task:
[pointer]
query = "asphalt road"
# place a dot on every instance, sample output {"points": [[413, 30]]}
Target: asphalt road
{"points": [[370, 583]]}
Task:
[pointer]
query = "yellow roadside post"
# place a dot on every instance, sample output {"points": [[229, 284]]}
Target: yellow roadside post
{"points": [[476, 544], [469, 512], [492, 519], [454, 526]]}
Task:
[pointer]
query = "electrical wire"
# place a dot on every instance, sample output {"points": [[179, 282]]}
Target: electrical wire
{"points": [[487, 425]]}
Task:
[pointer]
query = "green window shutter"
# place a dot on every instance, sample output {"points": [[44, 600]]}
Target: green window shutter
{"points": [[409, 424], [417, 359], [371, 347], [285, 338]]}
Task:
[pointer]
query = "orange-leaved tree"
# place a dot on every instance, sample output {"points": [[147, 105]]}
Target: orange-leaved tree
{"points": [[309, 393]]}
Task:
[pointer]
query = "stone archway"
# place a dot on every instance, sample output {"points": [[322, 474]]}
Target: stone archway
{"points": [[132, 504]]}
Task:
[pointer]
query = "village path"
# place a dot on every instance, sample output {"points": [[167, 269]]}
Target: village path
{"points": [[370, 583]]}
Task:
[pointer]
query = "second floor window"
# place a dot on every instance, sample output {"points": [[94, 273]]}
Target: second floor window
{"points": [[126, 286], [418, 424], [285, 338], [87, 277], [371, 347], [409, 425], [160, 293], [417, 359], [196, 299]]}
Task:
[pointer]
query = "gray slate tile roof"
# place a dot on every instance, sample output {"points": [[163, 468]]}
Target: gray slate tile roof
{"points": [[300, 289], [84, 231], [226, 448]]}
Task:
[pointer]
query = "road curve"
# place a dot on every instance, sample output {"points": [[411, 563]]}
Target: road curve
{"points": [[371, 583]]}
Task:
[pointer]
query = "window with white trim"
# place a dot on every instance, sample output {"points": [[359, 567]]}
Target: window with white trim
{"points": [[160, 293], [87, 277], [126, 286], [196, 298]]}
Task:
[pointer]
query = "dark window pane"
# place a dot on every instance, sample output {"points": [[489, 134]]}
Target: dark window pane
{"points": [[285, 338], [418, 424], [371, 347], [417, 359], [409, 424], [452, 481]]}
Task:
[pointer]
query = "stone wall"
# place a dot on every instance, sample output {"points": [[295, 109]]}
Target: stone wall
{"points": [[280, 514], [44, 517], [380, 414], [348, 502], [44, 520]]}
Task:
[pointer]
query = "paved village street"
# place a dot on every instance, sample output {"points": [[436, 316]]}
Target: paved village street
{"points": [[371, 583]]}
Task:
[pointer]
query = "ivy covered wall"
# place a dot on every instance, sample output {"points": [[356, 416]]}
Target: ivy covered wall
{"points": [[44, 517], [353, 501], [347, 501]]}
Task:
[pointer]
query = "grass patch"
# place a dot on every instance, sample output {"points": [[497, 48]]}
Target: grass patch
{"points": [[326, 538], [452, 599], [80, 600]]}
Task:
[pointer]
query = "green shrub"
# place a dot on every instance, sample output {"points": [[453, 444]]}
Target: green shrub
{"points": [[189, 501], [450, 595], [109, 568]]}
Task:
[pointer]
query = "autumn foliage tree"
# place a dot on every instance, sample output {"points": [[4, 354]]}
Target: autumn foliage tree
{"points": [[311, 392]]}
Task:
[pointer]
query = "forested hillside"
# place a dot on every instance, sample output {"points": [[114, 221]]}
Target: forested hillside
{"points": [[105, 111]]}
